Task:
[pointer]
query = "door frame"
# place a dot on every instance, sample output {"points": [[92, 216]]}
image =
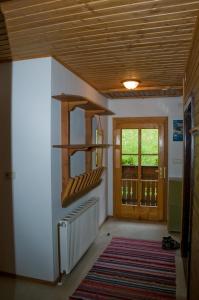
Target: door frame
{"points": [[188, 184], [162, 120]]}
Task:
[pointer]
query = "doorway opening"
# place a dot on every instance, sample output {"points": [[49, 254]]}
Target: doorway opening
{"points": [[140, 168]]}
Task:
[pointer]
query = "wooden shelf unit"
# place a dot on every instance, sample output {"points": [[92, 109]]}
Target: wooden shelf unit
{"points": [[75, 187]]}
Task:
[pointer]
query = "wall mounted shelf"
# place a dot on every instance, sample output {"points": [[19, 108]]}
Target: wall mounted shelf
{"points": [[75, 187], [84, 103], [81, 147]]}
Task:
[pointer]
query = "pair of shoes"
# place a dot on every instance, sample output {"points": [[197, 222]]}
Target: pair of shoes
{"points": [[169, 243]]}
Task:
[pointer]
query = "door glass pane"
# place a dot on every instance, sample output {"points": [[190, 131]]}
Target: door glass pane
{"points": [[129, 166], [129, 161], [149, 141], [129, 141], [149, 160], [149, 167]]}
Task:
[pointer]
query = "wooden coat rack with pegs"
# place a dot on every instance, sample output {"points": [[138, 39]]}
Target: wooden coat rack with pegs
{"points": [[75, 187]]}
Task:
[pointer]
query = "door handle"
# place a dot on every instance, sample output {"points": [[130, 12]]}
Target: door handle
{"points": [[164, 172], [161, 172]]}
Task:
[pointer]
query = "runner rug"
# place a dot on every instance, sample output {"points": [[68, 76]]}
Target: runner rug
{"points": [[131, 269]]}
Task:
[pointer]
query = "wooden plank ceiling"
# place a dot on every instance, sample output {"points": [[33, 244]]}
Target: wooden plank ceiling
{"points": [[107, 41]]}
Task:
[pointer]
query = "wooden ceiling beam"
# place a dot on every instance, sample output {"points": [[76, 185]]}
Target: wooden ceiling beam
{"points": [[144, 94], [131, 60], [162, 79], [154, 74], [71, 13], [58, 38], [119, 49], [130, 64], [101, 22], [165, 67], [158, 76], [119, 86], [127, 57], [122, 37], [144, 88], [156, 42], [142, 49], [25, 8], [50, 52], [92, 50], [116, 27], [186, 33], [57, 35]]}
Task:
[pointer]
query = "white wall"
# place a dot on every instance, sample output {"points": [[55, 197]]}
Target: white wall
{"points": [[31, 161], [171, 107], [32, 199], [64, 81]]}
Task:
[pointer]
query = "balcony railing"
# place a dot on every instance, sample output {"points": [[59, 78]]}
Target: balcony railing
{"points": [[139, 192]]}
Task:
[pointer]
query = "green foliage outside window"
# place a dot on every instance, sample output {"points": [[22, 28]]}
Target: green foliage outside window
{"points": [[130, 141], [129, 160], [149, 141], [149, 147]]}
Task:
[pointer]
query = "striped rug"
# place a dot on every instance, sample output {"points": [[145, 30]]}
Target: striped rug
{"points": [[130, 269]]}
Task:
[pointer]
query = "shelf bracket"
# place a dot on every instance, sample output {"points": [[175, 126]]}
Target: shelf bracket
{"points": [[92, 113], [73, 151], [74, 104]]}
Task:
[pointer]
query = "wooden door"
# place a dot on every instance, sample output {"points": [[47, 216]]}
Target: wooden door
{"points": [[140, 168]]}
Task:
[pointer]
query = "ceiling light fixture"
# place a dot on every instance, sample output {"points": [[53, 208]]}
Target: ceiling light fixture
{"points": [[130, 84]]}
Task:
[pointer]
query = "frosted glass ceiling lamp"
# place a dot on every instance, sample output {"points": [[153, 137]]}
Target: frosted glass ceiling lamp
{"points": [[130, 84]]}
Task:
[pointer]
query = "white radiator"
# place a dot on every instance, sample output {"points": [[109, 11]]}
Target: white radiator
{"points": [[77, 231]]}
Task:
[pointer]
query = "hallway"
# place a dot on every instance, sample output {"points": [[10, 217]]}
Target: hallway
{"points": [[19, 289], [68, 70]]}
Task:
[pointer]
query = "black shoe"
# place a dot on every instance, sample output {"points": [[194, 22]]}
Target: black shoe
{"points": [[167, 238], [168, 243]]}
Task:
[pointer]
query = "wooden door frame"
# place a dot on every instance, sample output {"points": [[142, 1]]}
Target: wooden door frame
{"points": [[186, 233], [162, 120]]}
